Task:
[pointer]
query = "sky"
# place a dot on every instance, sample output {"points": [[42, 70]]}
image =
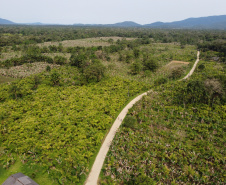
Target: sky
{"points": [[107, 11]]}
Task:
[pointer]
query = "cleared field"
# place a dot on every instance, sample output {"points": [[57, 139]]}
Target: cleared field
{"points": [[174, 64], [25, 70], [11, 54], [89, 42]]}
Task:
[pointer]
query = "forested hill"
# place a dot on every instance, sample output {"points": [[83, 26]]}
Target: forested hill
{"points": [[4, 21], [212, 22]]}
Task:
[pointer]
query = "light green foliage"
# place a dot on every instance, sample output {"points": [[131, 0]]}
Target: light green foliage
{"points": [[59, 129], [171, 143]]}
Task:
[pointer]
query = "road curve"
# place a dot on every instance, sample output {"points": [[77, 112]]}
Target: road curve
{"points": [[98, 163], [193, 68]]}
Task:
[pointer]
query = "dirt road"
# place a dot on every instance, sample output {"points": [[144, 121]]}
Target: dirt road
{"points": [[97, 166], [193, 68]]}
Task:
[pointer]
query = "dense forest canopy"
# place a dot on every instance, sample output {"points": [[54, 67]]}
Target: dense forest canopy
{"points": [[11, 35]]}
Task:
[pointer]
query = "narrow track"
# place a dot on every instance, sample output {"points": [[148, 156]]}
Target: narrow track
{"points": [[98, 163], [193, 68]]}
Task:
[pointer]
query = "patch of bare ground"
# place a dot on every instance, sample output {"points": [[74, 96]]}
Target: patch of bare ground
{"points": [[178, 62], [26, 69], [174, 64]]}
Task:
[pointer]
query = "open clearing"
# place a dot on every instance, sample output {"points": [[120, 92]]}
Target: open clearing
{"points": [[24, 70], [177, 62], [89, 42], [174, 64]]}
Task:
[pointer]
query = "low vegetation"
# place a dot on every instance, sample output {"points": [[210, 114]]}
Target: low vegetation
{"points": [[67, 84], [175, 135]]}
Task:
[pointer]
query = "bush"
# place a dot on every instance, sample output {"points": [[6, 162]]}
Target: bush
{"points": [[214, 89], [15, 91], [151, 65], [48, 68], [136, 67], [176, 73], [94, 72], [141, 180], [60, 60], [201, 67], [77, 59], [160, 81], [55, 78], [136, 53], [129, 122]]}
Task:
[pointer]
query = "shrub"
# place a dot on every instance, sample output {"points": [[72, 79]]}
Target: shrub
{"points": [[60, 60], [141, 180], [129, 122], [136, 53], [136, 67], [55, 78], [201, 67], [94, 72], [214, 89], [160, 81], [151, 65], [176, 73], [77, 59], [15, 90], [48, 68]]}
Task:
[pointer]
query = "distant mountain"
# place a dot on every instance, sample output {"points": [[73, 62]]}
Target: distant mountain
{"points": [[4, 21], [126, 24], [35, 23], [212, 22]]}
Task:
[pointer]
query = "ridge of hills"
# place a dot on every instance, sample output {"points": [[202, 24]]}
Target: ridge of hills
{"points": [[211, 22]]}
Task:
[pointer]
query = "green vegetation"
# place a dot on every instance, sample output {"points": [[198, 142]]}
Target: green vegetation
{"points": [[59, 127], [174, 135], [4, 79], [66, 85]]}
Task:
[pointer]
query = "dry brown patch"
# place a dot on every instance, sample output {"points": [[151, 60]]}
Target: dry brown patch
{"points": [[177, 62], [174, 64]]}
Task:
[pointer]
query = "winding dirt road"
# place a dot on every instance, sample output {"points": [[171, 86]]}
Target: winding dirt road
{"points": [[98, 163], [193, 68]]}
